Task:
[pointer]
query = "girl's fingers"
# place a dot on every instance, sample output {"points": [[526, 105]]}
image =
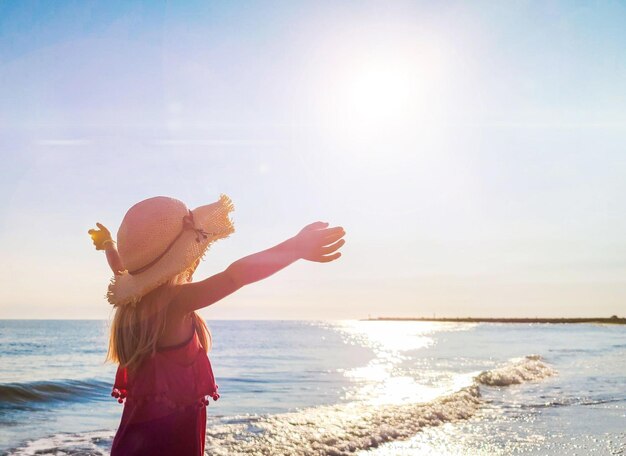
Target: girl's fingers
{"points": [[328, 233], [315, 226], [326, 259], [331, 248], [330, 238], [333, 230]]}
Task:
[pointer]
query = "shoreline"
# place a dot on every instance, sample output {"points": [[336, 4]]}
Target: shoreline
{"points": [[612, 320]]}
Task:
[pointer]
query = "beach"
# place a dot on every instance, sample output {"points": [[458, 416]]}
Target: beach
{"points": [[340, 387]]}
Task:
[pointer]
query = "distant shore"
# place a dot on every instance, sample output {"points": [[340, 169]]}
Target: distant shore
{"points": [[612, 320]]}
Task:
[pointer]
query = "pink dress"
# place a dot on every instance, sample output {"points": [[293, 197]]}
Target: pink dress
{"points": [[165, 402]]}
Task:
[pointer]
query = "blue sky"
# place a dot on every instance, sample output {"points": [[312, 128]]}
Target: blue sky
{"points": [[473, 151]]}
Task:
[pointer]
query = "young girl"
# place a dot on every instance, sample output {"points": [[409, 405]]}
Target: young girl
{"points": [[164, 375]]}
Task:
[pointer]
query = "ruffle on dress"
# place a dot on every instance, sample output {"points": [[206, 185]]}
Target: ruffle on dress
{"points": [[171, 379]]}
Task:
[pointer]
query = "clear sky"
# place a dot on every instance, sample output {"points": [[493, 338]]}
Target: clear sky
{"points": [[475, 152]]}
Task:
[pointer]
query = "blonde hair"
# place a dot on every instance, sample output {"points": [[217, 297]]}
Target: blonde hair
{"points": [[136, 329]]}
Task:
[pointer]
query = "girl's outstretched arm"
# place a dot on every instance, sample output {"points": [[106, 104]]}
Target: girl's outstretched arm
{"points": [[113, 257], [314, 242]]}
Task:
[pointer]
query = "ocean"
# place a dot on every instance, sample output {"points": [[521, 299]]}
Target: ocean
{"points": [[367, 388]]}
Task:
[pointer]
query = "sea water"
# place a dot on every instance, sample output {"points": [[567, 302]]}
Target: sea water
{"points": [[339, 387]]}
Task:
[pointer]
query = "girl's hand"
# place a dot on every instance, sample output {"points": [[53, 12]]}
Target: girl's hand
{"points": [[316, 242], [100, 237]]}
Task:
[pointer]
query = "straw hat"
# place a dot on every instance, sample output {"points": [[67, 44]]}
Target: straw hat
{"points": [[160, 238]]}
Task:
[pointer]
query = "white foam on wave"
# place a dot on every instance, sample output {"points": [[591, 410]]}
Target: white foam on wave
{"points": [[526, 369], [338, 429], [335, 430], [95, 443]]}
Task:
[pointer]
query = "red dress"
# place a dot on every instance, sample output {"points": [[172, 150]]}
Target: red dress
{"points": [[165, 402]]}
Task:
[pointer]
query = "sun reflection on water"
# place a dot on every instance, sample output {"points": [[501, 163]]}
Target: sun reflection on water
{"points": [[384, 380]]}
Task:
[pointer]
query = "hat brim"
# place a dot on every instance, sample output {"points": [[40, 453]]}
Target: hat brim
{"points": [[212, 218]]}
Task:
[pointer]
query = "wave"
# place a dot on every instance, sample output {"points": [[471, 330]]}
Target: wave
{"points": [[49, 391], [342, 429], [338, 430], [328, 430], [96, 443], [526, 369]]}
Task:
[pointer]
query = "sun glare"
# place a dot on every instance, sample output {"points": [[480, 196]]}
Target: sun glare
{"points": [[382, 92], [387, 87]]}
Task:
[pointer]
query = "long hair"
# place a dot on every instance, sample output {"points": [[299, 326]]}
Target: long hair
{"points": [[136, 329]]}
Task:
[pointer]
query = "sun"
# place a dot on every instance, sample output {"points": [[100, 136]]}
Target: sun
{"points": [[379, 91], [383, 89]]}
